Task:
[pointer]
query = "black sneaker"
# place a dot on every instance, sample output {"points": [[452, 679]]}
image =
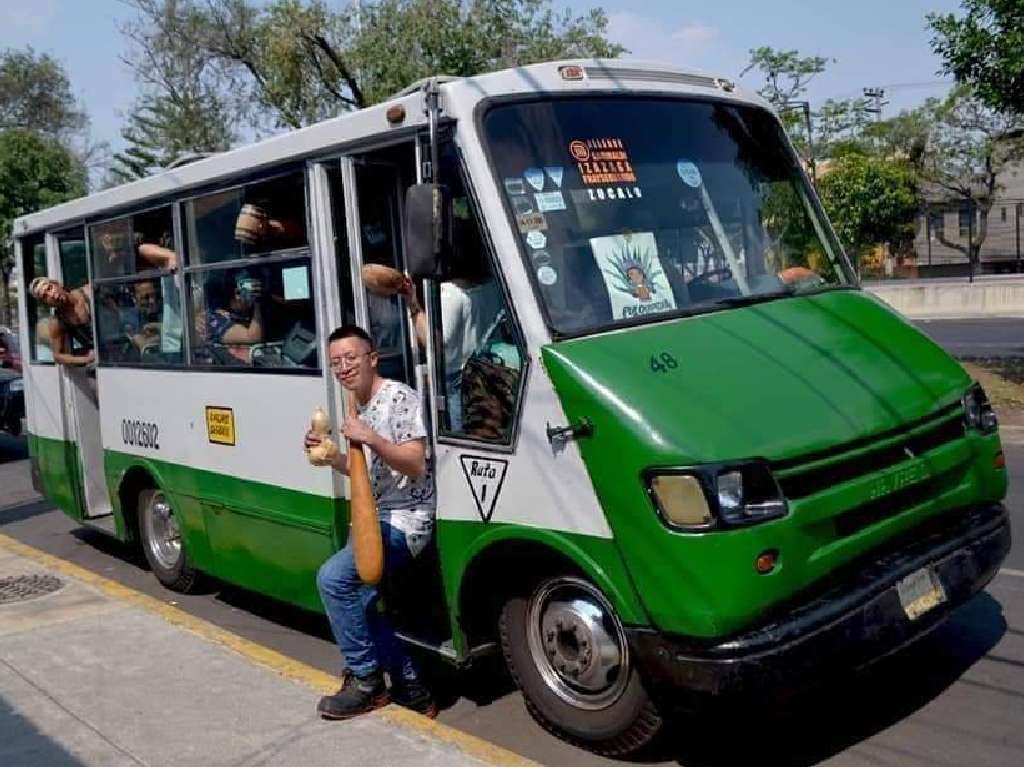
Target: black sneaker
{"points": [[357, 695], [413, 695]]}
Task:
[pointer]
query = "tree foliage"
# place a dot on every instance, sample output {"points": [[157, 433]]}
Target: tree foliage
{"points": [[291, 63], [36, 171], [967, 148], [870, 200], [786, 73], [35, 94], [985, 50]]}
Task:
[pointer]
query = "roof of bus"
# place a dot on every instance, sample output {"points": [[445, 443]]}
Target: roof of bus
{"points": [[371, 124]]}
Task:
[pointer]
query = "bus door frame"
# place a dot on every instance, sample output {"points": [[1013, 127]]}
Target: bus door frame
{"points": [[81, 412]]}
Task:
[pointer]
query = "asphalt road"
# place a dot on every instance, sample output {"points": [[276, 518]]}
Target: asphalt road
{"points": [[956, 697], [994, 337]]}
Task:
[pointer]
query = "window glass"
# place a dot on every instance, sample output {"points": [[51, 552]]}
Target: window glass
{"points": [[380, 237], [348, 309], [74, 274], [258, 315], [33, 264], [245, 221], [138, 321], [482, 360], [132, 244], [639, 209]]}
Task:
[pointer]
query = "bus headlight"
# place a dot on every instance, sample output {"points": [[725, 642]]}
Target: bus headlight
{"points": [[978, 412], [716, 496]]}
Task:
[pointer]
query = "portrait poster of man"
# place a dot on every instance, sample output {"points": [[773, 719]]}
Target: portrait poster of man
{"points": [[633, 274]]}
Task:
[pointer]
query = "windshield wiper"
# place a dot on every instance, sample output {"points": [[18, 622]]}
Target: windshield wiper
{"points": [[756, 298]]}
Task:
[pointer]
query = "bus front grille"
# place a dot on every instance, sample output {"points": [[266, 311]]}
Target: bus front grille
{"points": [[806, 476]]}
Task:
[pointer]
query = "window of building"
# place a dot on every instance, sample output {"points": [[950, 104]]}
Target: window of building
{"points": [[1002, 215], [136, 294], [250, 277], [936, 223], [965, 221]]}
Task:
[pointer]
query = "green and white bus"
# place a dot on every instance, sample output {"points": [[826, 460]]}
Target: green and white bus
{"points": [[686, 456]]}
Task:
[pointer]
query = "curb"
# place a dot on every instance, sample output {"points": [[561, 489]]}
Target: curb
{"points": [[289, 668]]}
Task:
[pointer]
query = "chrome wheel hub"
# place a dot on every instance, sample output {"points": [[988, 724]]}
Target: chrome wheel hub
{"points": [[164, 535], [577, 643]]}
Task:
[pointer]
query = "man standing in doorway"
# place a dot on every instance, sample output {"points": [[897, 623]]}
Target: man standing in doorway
{"points": [[390, 424]]}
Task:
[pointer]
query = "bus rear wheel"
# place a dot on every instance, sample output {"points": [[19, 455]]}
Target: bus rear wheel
{"points": [[162, 543], [566, 650]]}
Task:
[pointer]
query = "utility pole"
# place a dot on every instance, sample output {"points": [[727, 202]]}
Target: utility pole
{"points": [[875, 96], [1019, 206]]}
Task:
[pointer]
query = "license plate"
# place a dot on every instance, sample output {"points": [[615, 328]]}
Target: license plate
{"points": [[920, 592]]}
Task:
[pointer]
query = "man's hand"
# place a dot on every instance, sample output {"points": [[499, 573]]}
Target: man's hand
{"points": [[310, 441], [356, 430]]}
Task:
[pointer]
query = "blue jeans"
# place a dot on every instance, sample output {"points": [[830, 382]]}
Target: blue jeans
{"points": [[363, 633]]}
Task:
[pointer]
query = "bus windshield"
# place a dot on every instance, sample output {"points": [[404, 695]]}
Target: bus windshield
{"points": [[638, 209]]}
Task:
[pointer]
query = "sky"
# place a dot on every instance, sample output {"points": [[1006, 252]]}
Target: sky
{"points": [[877, 43]]}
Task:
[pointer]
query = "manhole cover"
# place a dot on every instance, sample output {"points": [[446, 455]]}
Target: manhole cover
{"points": [[18, 588]]}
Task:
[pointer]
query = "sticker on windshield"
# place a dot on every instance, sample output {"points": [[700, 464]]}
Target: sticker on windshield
{"points": [[549, 201], [602, 161], [532, 222], [522, 204], [633, 274], [536, 240], [555, 174], [547, 276], [515, 185], [688, 173], [535, 178]]}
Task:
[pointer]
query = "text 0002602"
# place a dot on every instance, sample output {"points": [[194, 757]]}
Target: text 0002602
{"points": [[140, 434]]}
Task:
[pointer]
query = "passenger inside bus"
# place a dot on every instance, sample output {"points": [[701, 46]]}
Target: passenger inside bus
{"points": [[232, 321], [70, 328]]}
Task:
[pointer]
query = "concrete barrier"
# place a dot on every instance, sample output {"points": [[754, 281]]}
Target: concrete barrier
{"points": [[1002, 298]]}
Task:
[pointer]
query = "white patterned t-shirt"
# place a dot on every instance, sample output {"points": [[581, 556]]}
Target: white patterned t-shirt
{"points": [[395, 413]]}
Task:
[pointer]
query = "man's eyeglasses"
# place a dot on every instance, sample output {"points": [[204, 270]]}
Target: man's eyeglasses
{"points": [[349, 360]]}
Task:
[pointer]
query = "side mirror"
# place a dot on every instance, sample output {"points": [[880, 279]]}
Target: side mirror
{"points": [[428, 231]]}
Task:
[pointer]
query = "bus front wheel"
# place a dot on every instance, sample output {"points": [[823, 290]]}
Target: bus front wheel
{"points": [[566, 650], [160, 531]]}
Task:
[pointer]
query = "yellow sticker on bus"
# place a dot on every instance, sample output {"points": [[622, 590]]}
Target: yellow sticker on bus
{"points": [[220, 425]]}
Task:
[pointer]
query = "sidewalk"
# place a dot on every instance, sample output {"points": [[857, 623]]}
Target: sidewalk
{"points": [[97, 675]]}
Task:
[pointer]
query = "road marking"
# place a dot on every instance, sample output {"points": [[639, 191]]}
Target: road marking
{"points": [[292, 669], [1011, 571]]}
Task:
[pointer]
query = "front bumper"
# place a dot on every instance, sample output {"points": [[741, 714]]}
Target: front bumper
{"points": [[856, 620]]}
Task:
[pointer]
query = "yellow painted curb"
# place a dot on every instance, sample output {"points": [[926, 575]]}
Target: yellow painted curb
{"points": [[281, 664]]}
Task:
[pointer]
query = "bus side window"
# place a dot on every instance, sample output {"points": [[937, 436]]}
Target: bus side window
{"points": [[135, 292], [33, 264], [481, 363], [260, 313]]}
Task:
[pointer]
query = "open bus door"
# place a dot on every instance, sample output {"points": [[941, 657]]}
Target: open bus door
{"points": [[80, 386], [366, 194]]}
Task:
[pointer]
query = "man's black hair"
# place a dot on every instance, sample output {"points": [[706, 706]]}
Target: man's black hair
{"points": [[351, 331]]}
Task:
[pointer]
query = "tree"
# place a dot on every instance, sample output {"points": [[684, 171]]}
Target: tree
{"points": [[36, 172], [35, 94], [985, 50], [291, 63], [870, 200], [160, 131], [786, 75], [967, 148], [186, 106]]}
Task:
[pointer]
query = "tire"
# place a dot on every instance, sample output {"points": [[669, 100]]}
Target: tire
{"points": [[595, 700], [165, 551]]}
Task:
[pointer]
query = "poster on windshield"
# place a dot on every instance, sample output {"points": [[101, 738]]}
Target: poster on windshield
{"points": [[633, 274]]}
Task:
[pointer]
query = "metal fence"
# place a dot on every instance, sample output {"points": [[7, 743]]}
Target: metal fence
{"points": [[961, 239]]}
